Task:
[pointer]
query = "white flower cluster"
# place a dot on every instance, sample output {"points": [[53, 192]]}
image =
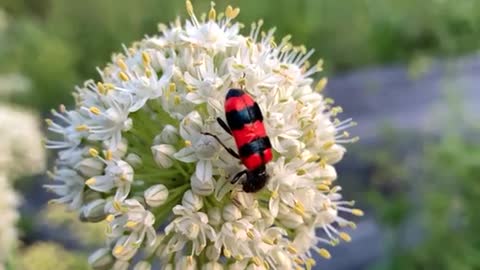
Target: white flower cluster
{"points": [[8, 233], [133, 154], [21, 154]]}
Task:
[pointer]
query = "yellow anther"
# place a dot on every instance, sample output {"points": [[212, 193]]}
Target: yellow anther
{"points": [[319, 65], [257, 261], [299, 261], [250, 234], [299, 208], [352, 225], [190, 88], [231, 13], [118, 250], [49, 121], [238, 257], [227, 253], [187, 143], [130, 224], [172, 87], [177, 100], [109, 86], [93, 152], [117, 206], [310, 134], [110, 218], [321, 85], [357, 212], [238, 66], [95, 110], [145, 58], [301, 171], [108, 155], [122, 65], [268, 241], [336, 110], [328, 145], [123, 76], [334, 242], [324, 253], [148, 72], [345, 236], [189, 8], [323, 163], [91, 181], [327, 182], [101, 88], [274, 194], [292, 249], [310, 262], [323, 187], [212, 14], [81, 127]]}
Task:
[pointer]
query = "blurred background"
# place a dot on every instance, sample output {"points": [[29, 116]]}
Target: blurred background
{"points": [[407, 71]]}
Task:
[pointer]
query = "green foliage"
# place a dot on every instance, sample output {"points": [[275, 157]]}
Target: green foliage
{"points": [[59, 43]]}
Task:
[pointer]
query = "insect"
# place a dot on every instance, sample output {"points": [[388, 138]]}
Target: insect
{"points": [[245, 124]]}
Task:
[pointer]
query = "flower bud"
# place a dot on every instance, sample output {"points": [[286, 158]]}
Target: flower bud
{"points": [[101, 259], [212, 253], [169, 135], [206, 147], [192, 201], [142, 265], [156, 195], [94, 211], [231, 213], [204, 188], [134, 160], [90, 167], [214, 216], [163, 155], [327, 172]]}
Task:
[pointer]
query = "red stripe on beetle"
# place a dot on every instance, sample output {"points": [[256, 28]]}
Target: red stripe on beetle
{"points": [[253, 161], [248, 133], [238, 103], [267, 155]]}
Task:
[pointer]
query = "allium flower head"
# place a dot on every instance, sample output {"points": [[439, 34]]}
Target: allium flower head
{"points": [[136, 145]]}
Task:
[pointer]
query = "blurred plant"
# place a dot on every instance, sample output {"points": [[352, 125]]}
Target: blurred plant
{"points": [[8, 234], [47, 256], [58, 218], [133, 153]]}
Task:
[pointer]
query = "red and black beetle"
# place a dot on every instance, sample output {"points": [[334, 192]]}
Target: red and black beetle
{"points": [[245, 124]]}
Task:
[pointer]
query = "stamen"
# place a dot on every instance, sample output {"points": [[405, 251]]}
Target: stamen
{"points": [[123, 76], [345, 236], [145, 58], [82, 127], [95, 110], [123, 66], [212, 14], [231, 13], [324, 253], [110, 218], [93, 152], [91, 181], [321, 85]]}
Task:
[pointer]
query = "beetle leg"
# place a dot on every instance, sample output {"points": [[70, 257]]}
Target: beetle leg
{"points": [[238, 176], [229, 150], [224, 125]]}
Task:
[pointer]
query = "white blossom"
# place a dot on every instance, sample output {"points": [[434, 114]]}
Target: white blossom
{"points": [[140, 142]]}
